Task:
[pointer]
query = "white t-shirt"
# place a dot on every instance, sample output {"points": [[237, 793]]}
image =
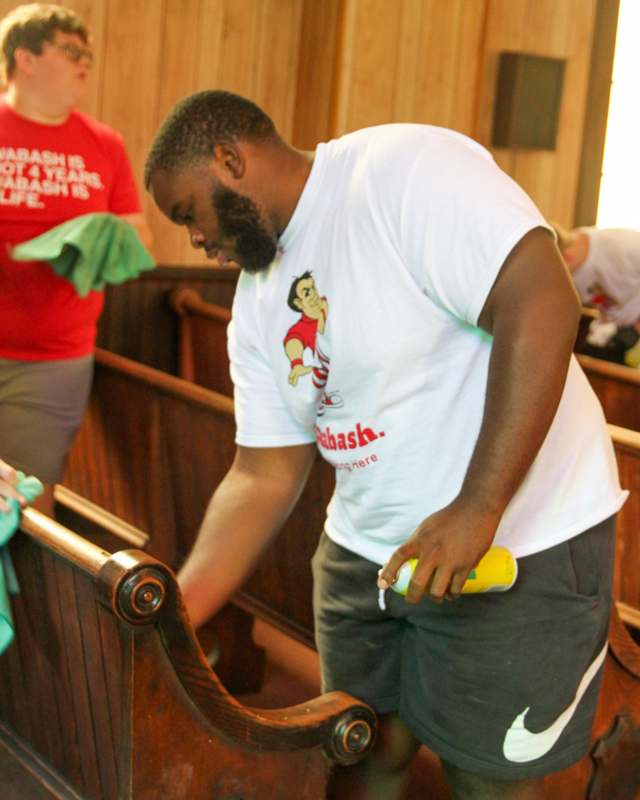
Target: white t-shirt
{"points": [[609, 277], [404, 229]]}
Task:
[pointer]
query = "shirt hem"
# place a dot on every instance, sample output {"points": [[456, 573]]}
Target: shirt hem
{"points": [[503, 770], [57, 356], [275, 441], [373, 553], [574, 530]]}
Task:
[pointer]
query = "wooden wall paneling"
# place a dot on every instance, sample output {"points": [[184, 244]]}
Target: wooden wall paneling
{"points": [[596, 112], [440, 87], [571, 130], [276, 62], [316, 73], [132, 77], [93, 14], [555, 29], [181, 39], [546, 26], [560, 29], [411, 64], [236, 58], [419, 64], [6, 6], [503, 27], [368, 61]]}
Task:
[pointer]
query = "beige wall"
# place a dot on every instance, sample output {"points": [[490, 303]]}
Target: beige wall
{"points": [[324, 67]]}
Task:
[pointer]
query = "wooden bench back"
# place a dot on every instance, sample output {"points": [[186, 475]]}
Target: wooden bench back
{"points": [[152, 449], [137, 322], [106, 694], [204, 361], [617, 388], [203, 357]]}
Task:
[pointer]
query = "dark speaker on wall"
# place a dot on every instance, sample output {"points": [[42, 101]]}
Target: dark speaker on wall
{"points": [[528, 99]]}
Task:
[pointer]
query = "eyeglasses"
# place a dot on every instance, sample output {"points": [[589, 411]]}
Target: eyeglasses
{"points": [[75, 53]]}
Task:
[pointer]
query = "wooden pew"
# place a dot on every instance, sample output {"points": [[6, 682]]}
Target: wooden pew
{"points": [[106, 695], [203, 358], [151, 450], [153, 447], [202, 334], [610, 770], [617, 388], [160, 402], [138, 323]]}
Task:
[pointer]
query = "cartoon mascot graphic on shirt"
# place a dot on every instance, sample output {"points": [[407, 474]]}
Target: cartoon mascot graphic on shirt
{"points": [[302, 336]]}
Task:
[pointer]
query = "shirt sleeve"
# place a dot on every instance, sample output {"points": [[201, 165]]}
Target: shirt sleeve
{"points": [[461, 217], [262, 417]]}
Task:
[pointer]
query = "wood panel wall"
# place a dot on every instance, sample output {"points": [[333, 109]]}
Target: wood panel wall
{"points": [[325, 67]]}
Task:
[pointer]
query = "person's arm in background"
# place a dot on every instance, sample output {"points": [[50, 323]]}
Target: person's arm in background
{"points": [[532, 312], [246, 511], [138, 222]]}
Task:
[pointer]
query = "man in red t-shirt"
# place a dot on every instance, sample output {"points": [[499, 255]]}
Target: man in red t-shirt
{"points": [[55, 164]]}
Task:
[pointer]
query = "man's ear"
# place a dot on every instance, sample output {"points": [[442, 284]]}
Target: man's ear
{"points": [[25, 60], [230, 159]]}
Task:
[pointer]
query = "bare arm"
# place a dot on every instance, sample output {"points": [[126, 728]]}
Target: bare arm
{"points": [[245, 512], [532, 312], [138, 222]]}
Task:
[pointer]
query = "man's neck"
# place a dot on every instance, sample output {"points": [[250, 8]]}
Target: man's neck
{"points": [[32, 106], [296, 166]]}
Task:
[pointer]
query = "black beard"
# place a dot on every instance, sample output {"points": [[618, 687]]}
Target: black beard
{"points": [[239, 219]]}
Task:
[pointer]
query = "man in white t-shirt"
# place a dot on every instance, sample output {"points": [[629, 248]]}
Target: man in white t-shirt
{"points": [[605, 265], [460, 420]]}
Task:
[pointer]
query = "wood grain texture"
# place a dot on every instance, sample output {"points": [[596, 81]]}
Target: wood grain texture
{"points": [[321, 69], [108, 713], [618, 389], [558, 29]]}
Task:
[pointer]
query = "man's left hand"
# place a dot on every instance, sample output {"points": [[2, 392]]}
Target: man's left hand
{"points": [[448, 545]]}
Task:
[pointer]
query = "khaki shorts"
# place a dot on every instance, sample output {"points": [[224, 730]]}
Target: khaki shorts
{"points": [[41, 408], [504, 685]]}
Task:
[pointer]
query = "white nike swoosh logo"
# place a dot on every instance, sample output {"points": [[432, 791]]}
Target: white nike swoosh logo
{"points": [[520, 745]]}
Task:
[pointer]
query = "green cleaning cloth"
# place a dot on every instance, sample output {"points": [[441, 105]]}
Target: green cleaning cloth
{"points": [[29, 488], [90, 251]]}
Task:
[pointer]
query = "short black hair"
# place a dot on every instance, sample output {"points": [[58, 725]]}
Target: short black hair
{"points": [[293, 291], [198, 123]]}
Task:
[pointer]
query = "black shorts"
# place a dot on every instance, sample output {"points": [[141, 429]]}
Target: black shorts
{"points": [[504, 685]]}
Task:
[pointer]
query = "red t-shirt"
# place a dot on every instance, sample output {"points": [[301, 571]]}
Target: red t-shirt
{"points": [[48, 175]]}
